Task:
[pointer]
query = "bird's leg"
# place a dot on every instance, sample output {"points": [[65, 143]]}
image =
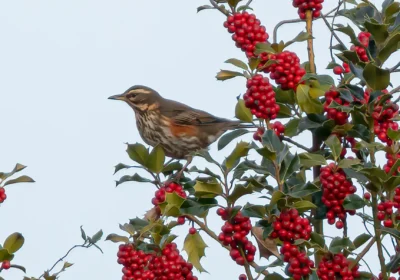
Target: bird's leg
{"points": [[179, 174]]}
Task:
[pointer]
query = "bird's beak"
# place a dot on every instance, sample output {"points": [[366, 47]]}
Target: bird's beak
{"points": [[117, 97]]}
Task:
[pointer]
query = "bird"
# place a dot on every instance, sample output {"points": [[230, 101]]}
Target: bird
{"points": [[178, 128]]}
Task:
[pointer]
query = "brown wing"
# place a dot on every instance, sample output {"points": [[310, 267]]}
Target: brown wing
{"points": [[182, 114]]}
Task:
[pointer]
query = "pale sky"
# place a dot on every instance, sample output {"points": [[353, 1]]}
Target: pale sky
{"points": [[60, 60]]}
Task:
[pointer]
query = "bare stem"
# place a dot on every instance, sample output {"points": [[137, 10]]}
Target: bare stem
{"points": [[310, 45], [377, 229], [334, 33], [318, 225], [362, 253], [297, 144]]}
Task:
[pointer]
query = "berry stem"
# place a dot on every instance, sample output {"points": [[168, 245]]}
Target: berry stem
{"points": [[215, 5], [246, 265], [318, 225], [297, 144], [215, 237], [377, 230]]}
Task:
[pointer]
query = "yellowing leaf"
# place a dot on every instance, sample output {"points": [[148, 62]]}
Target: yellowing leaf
{"points": [[195, 248], [242, 112]]}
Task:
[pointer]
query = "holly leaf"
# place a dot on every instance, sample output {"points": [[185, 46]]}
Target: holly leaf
{"points": [[241, 150], [155, 161], [138, 153], [361, 239], [335, 146], [14, 242], [242, 112], [306, 103], [226, 75], [135, 178], [237, 63], [303, 190], [21, 179], [376, 78], [309, 160], [207, 189], [117, 238], [353, 202], [195, 248], [228, 137]]}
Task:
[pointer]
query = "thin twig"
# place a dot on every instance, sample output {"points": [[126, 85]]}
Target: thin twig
{"points": [[334, 33], [249, 2], [363, 252], [377, 229], [287, 139], [332, 24], [66, 255]]}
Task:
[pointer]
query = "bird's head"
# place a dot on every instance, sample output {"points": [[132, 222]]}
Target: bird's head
{"points": [[140, 98]]}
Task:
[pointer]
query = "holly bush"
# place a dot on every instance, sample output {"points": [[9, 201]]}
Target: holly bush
{"points": [[305, 188]]}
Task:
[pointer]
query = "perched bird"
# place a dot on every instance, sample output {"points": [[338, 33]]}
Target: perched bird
{"points": [[178, 128]]}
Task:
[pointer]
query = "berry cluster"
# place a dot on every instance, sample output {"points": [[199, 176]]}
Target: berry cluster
{"points": [[234, 233], [338, 70], [278, 128], [159, 196], [385, 209], [337, 267], [139, 265], [383, 119], [287, 71], [247, 31], [363, 38], [303, 5], [338, 116], [289, 226], [260, 98], [385, 213], [5, 265], [299, 265], [3, 195], [335, 188], [391, 160]]}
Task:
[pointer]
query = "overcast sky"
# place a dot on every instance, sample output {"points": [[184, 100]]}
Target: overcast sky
{"points": [[60, 60]]}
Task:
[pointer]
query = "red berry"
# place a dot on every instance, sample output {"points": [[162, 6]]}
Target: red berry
{"points": [[6, 265], [367, 196], [337, 70], [181, 220], [192, 230], [242, 277]]}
